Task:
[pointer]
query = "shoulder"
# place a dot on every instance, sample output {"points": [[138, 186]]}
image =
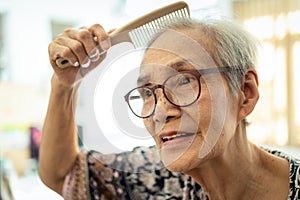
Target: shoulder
{"points": [[294, 172]]}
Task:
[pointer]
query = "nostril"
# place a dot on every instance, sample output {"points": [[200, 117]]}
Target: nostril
{"points": [[169, 118], [160, 114]]}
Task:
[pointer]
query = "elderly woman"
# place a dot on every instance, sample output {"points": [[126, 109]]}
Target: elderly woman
{"points": [[197, 84]]}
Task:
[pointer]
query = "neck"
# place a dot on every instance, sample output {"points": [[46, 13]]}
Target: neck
{"points": [[240, 172]]}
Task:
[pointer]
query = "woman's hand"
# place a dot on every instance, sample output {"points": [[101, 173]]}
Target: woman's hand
{"points": [[75, 52]]}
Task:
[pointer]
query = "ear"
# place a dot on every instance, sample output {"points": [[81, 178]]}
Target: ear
{"points": [[249, 94]]}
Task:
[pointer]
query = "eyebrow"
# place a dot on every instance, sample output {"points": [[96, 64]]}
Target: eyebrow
{"points": [[177, 64], [143, 79]]}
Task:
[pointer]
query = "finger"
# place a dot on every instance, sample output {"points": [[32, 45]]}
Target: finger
{"points": [[76, 48], [83, 27], [101, 36], [110, 31], [61, 56], [86, 39], [63, 63]]}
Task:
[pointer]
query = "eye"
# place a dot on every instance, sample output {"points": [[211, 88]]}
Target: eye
{"points": [[184, 80], [145, 93], [148, 93], [181, 80]]}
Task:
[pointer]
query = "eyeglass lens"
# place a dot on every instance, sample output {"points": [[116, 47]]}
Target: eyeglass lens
{"points": [[181, 89]]}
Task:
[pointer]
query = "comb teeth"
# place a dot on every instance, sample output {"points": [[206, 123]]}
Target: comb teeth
{"points": [[142, 35]]}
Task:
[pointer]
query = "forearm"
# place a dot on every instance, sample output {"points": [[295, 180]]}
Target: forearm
{"points": [[80, 54], [59, 149]]}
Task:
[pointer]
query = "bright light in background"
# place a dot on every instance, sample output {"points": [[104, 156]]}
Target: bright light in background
{"points": [[280, 79], [280, 26], [261, 27], [296, 57], [253, 132], [266, 68], [274, 31], [266, 27], [293, 22], [281, 130]]}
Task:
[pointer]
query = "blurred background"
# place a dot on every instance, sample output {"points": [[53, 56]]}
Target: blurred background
{"points": [[27, 27]]}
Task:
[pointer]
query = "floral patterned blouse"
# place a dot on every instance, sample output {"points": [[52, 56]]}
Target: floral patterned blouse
{"points": [[139, 174]]}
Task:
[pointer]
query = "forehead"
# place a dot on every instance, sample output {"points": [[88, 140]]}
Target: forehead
{"points": [[175, 45]]}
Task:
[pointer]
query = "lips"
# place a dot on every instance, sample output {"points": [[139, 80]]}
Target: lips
{"points": [[165, 137]]}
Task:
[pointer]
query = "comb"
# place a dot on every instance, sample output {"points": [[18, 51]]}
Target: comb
{"points": [[140, 31]]}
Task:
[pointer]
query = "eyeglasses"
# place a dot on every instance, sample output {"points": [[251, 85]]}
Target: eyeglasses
{"points": [[182, 89]]}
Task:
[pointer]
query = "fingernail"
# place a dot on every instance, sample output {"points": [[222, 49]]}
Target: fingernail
{"points": [[105, 45], [94, 55], [76, 64], [87, 64]]}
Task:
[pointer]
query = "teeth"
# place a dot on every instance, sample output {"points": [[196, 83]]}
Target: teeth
{"points": [[166, 138]]}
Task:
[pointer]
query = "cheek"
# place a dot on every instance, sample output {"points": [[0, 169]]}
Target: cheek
{"points": [[148, 122], [149, 125], [214, 105], [202, 111]]}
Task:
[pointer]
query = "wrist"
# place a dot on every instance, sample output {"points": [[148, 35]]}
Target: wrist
{"points": [[57, 85]]}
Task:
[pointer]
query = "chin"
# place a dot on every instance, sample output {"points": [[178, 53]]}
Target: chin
{"points": [[176, 167], [177, 163]]}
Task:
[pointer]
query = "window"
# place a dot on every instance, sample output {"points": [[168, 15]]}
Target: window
{"points": [[276, 119]]}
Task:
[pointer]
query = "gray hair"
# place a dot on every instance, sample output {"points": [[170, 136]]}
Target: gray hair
{"points": [[227, 42]]}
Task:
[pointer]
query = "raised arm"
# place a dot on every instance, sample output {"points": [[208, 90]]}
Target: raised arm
{"points": [[58, 150]]}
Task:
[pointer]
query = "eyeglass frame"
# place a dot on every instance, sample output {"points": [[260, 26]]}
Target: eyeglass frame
{"points": [[196, 73]]}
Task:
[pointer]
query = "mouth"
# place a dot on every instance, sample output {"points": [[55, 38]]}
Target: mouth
{"points": [[167, 137]]}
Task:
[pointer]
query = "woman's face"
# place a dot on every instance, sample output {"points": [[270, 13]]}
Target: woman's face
{"points": [[187, 136]]}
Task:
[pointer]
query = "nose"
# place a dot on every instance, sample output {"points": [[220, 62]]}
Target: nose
{"points": [[164, 110]]}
